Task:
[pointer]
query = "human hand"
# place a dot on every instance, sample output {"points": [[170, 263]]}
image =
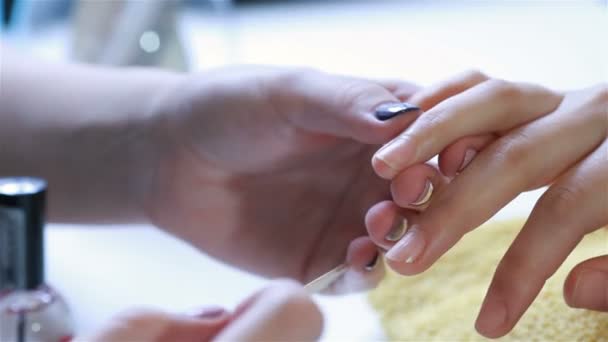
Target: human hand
{"points": [[268, 168], [496, 139], [281, 312]]}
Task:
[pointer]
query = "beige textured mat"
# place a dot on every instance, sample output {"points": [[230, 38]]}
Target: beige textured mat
{"points": [[442, 303]]}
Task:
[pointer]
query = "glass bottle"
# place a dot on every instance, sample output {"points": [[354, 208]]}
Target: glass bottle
{"points": [[30, 310]]}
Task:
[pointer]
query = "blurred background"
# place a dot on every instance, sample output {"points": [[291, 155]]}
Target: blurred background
{"points": [[419, 40], [561, 44]]}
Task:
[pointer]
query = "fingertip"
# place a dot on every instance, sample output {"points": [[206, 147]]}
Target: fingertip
{"points": [[381, 220], [406, 257], [382, 168], [492, 318], [361, 251], [568, 291], [587, 285], [414, 186]]}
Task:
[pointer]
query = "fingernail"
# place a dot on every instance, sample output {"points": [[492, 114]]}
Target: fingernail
{"points": [[425, 196], [468, 157], [397, 229], [398, 151], [409, 248], [372, 264], [390, 110], [591, 290], [210, 312], [492, 316]]}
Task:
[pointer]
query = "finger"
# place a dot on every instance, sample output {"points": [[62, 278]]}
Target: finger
{"points": [[154, 325], [429, 97], [456, 157], [281, 312], [587, 285], [386, 223], [365, 269], [413, 188], [494, 178], [342, 106], [492, 106], [568, 210]]}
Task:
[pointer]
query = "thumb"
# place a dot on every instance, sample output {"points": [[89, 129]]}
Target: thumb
{"points": [[366, 111], [587, 285], [281, 312]]}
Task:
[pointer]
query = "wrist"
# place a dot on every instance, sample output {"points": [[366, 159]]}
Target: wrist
{"points": [[146, 144]]}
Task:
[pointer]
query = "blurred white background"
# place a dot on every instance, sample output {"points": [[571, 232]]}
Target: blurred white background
{"points": [[561, 44]]}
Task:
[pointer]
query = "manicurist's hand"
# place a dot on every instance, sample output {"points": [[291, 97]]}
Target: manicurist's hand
{"points": [[495, 140], [264, 168], [268, 168], [281, 312]]}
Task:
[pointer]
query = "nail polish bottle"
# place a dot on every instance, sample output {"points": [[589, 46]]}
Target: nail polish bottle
{"points": [[30, 310]]}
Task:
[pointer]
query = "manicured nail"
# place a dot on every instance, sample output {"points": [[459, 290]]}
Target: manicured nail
{"points": [[468, 157], [390, 110], [399, 151], [425, 196], [409, 248], [590, 291], [372, 264], [491, 317], [210, 312], [397, 229]]}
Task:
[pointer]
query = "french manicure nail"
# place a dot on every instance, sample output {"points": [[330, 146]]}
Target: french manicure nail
{"points": [[468, 157], [398, 151], [425, 196], [590, 290], [390, 110], [372, 264], [409, 248], [397, 229], [492, 316]]}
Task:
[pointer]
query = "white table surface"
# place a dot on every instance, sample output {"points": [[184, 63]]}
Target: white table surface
{"points": [[561, 44]]}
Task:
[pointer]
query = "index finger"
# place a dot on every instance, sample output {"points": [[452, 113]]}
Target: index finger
{"points": [[492, 106]]}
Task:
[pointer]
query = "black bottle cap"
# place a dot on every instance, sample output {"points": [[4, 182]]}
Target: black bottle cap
{"points": [[22, 206]]}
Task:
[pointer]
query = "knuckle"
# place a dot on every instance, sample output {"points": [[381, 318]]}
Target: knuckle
{"points": [[558, 201], [597, 102], [432, 121], [600, 95], [354, 92], [521, 266], [512, 149], [475, 76], [290, 80], [502, 90]]}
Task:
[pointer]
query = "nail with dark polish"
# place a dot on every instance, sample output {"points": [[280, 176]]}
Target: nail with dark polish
{"points": [[372, 264], [390, 110]]}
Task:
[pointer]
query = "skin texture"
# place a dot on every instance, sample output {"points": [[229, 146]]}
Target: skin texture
{"points": [[523, 137]]}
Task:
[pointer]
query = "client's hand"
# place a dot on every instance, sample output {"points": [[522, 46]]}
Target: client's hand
{"points": [[496, 139], [281, 312]]}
